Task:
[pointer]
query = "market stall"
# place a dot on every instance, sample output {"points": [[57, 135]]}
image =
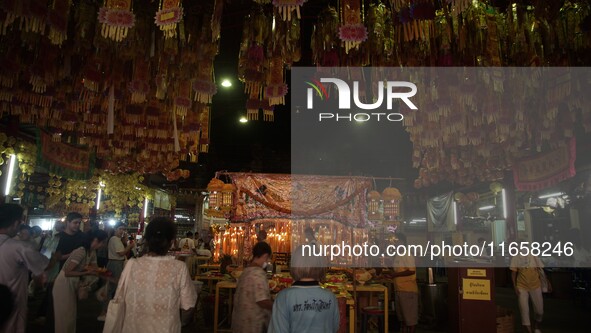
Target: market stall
{"points": [[284, 205]]}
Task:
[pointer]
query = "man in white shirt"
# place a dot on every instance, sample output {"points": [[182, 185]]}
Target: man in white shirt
{"points": [[16, 260], [187, 244]]}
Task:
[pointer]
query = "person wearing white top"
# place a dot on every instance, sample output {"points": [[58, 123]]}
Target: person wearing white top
{"points": [[158, 286], [187, 244], [17, 260], [117, 254]]}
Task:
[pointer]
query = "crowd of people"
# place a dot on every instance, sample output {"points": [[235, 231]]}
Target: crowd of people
{"points": [[155, 286], [64, 264]]}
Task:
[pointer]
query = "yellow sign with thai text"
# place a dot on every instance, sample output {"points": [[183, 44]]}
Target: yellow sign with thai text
{"points": [[476, 272], [476, 289]]}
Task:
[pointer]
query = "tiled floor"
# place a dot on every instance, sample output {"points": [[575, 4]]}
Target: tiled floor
{"points": [[561, 315]]}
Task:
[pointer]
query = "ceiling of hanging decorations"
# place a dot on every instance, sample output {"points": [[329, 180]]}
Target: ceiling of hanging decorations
{"points": [[133, 80]]}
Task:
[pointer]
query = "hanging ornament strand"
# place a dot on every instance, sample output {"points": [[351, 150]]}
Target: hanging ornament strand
{"points": [[352, 31], [286, 7], [168, 17], [116, 18]]}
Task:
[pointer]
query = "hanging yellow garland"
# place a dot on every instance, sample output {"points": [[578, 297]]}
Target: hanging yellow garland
{"points": [[169, 15], [116, 18]]}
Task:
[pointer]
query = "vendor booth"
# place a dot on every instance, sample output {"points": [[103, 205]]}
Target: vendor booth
{"points": [[293, 210]]}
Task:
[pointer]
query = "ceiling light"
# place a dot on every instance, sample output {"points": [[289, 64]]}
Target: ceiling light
{"points": [[504, 194], [546, 196], [98, 198], [486, 207], [243, 120], [226, 83], [10, 174]]}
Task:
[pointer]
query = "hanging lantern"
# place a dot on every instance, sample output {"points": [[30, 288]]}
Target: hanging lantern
{"points": [[169, 15], [352, 33], [58, 21], [116, 18], [252, 109], [182, 102], [285, 8], [139, 85], [276, 89], [391, 197], [215, 188], [204, 85], [227, 198], [268, 114], [374, 205]]}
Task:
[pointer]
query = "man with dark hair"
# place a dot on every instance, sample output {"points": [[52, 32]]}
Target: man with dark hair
{"points": [[187, 244], [36, 233], [71, 238], [252, 300], [16, 260], [262, 236], [24, 235]]}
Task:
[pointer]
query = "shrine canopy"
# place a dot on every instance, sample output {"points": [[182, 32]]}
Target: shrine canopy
{"points": [[300, 197]]}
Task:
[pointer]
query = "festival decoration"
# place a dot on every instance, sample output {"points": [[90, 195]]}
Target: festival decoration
{"points": [[58, 21], [139, 86], [380, 35], [545, 169], [177, 174], [286, 7], [182, 101], [215, 188], [268, 111], [228, 191], [276, 89], [341, 199], [64, 85], [251, 59], [216, 19], [352, 32], [391, 198], [34, 15], [204, 85], [169, 15], [325, 42], [63, 159], [26, 157], [373, 205], [116, 18]]}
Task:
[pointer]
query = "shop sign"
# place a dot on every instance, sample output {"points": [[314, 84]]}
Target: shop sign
{"points": [[476, 272], [476, 289]]}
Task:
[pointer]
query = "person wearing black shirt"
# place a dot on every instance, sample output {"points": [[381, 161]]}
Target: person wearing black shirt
{"points": [[69, 240]]}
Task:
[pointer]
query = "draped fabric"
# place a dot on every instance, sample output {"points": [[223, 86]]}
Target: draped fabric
{"points": [[63, 159], [438, 209], [546, 169], [341, 199]]}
